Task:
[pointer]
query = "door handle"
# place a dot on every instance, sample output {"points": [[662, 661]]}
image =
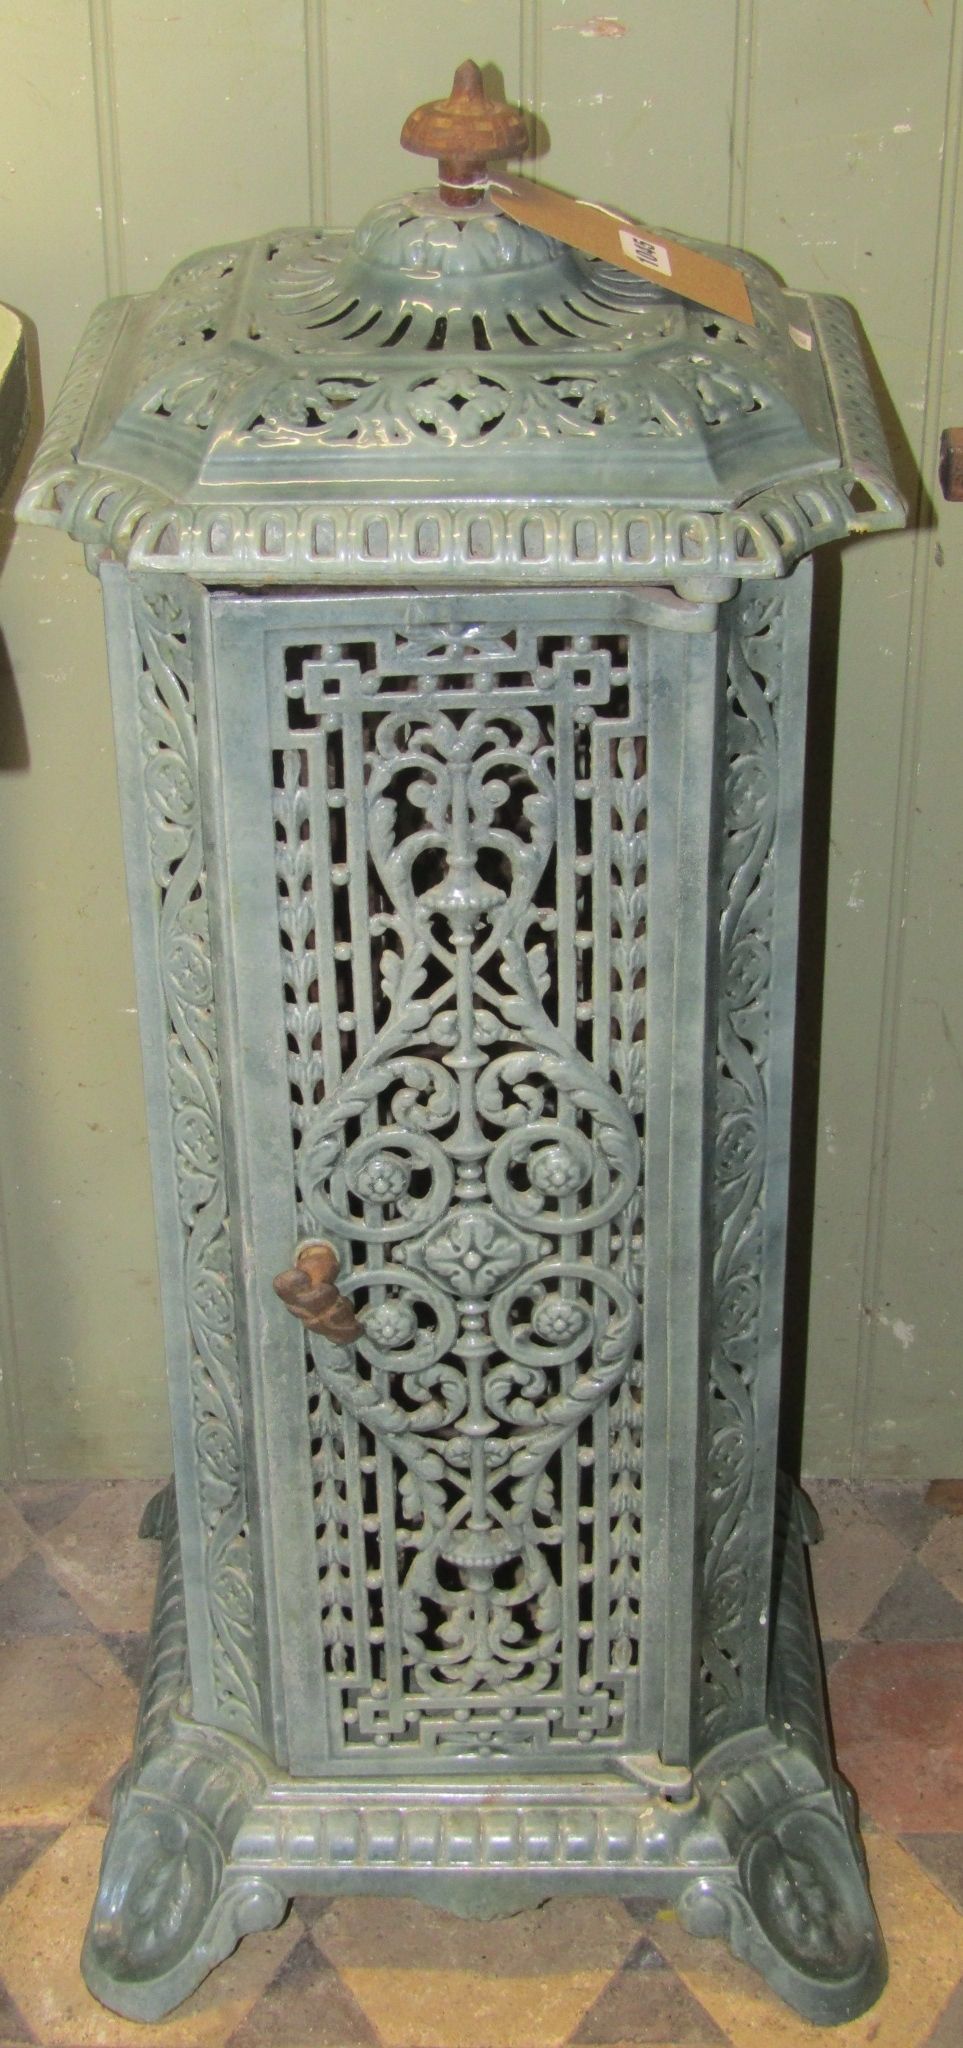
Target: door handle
{"points": [[307, 1289]]}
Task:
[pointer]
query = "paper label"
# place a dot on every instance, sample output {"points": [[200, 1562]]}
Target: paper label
{"points": [[801, 337], [654, 255], [596, 231]]}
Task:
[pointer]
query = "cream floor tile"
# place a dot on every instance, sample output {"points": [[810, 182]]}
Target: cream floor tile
{"points": [[42, 1924], [943, 1553], [924, 1936], [855, 1563], [426, 1977], [97, 1554], [462, 2010], [67, 1714]]}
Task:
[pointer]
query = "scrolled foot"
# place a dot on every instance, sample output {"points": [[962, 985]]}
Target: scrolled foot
{"points": [[166, 1911], [797, 1908]]}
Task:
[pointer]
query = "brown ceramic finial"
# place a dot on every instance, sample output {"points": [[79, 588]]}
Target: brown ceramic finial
{"points": [[463, 132]]}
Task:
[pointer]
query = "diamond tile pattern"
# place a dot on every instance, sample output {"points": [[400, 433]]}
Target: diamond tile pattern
{"points": [[75, 1590]]}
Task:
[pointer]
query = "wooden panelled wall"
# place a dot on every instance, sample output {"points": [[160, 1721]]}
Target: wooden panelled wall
{"points": [[824, 137]]}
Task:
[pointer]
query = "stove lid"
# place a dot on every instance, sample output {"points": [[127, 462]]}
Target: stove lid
{"points": [[446, 393]]}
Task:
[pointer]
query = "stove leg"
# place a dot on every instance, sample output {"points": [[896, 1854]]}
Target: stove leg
{"points": [[798, 1909], [163, 1917], [795, 1903], [169, 1907]]}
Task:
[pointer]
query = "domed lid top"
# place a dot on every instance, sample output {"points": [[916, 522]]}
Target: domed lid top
{"points": [[445, 390]]}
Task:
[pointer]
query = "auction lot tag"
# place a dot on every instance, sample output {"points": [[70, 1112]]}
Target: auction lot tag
{"points": [[651, 255], [598, 232]]}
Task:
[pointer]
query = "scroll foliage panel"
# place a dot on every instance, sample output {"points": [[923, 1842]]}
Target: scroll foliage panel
{"points": [[460, 854], [169, 755], [731, 1588]]}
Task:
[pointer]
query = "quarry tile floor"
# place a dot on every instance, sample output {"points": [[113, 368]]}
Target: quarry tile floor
{"points": [[76, 1588]]}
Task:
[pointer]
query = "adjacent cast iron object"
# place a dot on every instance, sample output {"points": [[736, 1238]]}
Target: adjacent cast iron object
{"points": [[951, 463], [458, 602], [14, 392]]}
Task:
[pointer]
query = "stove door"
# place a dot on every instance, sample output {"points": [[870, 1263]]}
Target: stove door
{"points": [[460, 870]]}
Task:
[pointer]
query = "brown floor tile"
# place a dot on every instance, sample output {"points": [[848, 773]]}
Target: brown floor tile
{"points": [[42, 1922], [904, 1510], [925, 1940], [426, 1977], [33, 1603], [942, 1857], [97, 1554], [19, 1847], [942, 1553], [42, 1507], [854, 1564], [898, 1722], [306, 2003], [915, 1609], [311, 1910], [643, 1909], [13, 2026], [131, 1651], [948, 2031], [831, 1652], [15, 1537], [946, 1495], [647, 2002], [68, 1715]]}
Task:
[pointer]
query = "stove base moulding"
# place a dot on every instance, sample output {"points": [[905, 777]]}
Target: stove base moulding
{"points": [[209, 1841]]}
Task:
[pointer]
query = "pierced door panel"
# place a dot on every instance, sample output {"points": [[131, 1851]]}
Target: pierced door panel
{"points": [[457, 963]]}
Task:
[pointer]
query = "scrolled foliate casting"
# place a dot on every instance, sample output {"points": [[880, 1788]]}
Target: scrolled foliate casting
{"points": [[464, 406], [168, 736], [742, 1109], [354, 358], [478, 1168]]}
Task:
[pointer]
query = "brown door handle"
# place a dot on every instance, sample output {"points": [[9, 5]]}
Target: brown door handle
{"points": [[951, 464], [308, 1290]]}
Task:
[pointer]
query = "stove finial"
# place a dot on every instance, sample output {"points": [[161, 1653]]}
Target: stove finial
{"points": [[463, 132]]}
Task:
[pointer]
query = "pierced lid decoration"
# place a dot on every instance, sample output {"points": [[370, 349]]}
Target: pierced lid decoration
{"points": [[443, 392]]}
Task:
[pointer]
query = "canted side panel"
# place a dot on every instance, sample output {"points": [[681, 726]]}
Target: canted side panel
{"points": [[157, 738], [460, 834], [757, 924]]}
